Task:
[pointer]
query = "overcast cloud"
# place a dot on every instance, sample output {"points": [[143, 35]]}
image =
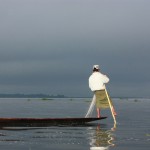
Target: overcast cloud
{"points": [[50, 46]]}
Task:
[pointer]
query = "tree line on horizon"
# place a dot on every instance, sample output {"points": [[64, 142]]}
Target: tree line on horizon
{"points": [[31, 96]]}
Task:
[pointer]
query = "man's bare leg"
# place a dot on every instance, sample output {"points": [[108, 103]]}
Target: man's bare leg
{"points": [[98, 113], [114, 112]]}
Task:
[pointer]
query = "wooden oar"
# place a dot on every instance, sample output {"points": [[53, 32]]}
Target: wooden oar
{"points": [[111, 107]]}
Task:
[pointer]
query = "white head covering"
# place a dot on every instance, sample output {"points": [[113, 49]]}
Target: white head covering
{"points": [[96, 66]]}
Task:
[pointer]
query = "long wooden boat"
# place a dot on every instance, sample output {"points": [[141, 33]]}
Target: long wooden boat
{"points": [[42, 122]]}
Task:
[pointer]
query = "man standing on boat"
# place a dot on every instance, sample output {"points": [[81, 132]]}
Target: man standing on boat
{"points": [[97, 83]]}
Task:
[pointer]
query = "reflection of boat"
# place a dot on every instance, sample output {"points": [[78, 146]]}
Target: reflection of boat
{"points": [[39, 122]]}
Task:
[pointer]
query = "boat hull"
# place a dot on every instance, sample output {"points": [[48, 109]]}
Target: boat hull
{"points": [[41, 122]]}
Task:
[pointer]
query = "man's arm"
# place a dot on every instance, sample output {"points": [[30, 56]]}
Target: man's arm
{"points": [[105, 79]]}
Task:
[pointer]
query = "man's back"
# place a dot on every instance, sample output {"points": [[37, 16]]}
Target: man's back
{"points": [[97, 81]]}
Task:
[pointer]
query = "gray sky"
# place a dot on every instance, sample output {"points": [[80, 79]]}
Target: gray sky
{"points": [[50, 46]]}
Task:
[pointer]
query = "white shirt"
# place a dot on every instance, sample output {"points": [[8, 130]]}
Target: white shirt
{"points": [[97, 81]]}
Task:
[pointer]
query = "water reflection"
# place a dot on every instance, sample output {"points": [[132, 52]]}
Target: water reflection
{"points": [[93, 137], [101, 138]]}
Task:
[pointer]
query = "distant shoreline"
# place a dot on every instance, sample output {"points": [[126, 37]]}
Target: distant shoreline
{"points": [[31, 96], [55, 96]]}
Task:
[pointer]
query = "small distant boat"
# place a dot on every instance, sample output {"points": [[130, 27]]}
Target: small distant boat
{"points": [[42, 122]]}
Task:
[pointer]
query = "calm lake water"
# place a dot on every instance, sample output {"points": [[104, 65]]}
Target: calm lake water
{"points": [[132, 130]]}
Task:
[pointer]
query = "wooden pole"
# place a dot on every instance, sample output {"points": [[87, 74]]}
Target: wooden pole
{"points": [[111, 107]]}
